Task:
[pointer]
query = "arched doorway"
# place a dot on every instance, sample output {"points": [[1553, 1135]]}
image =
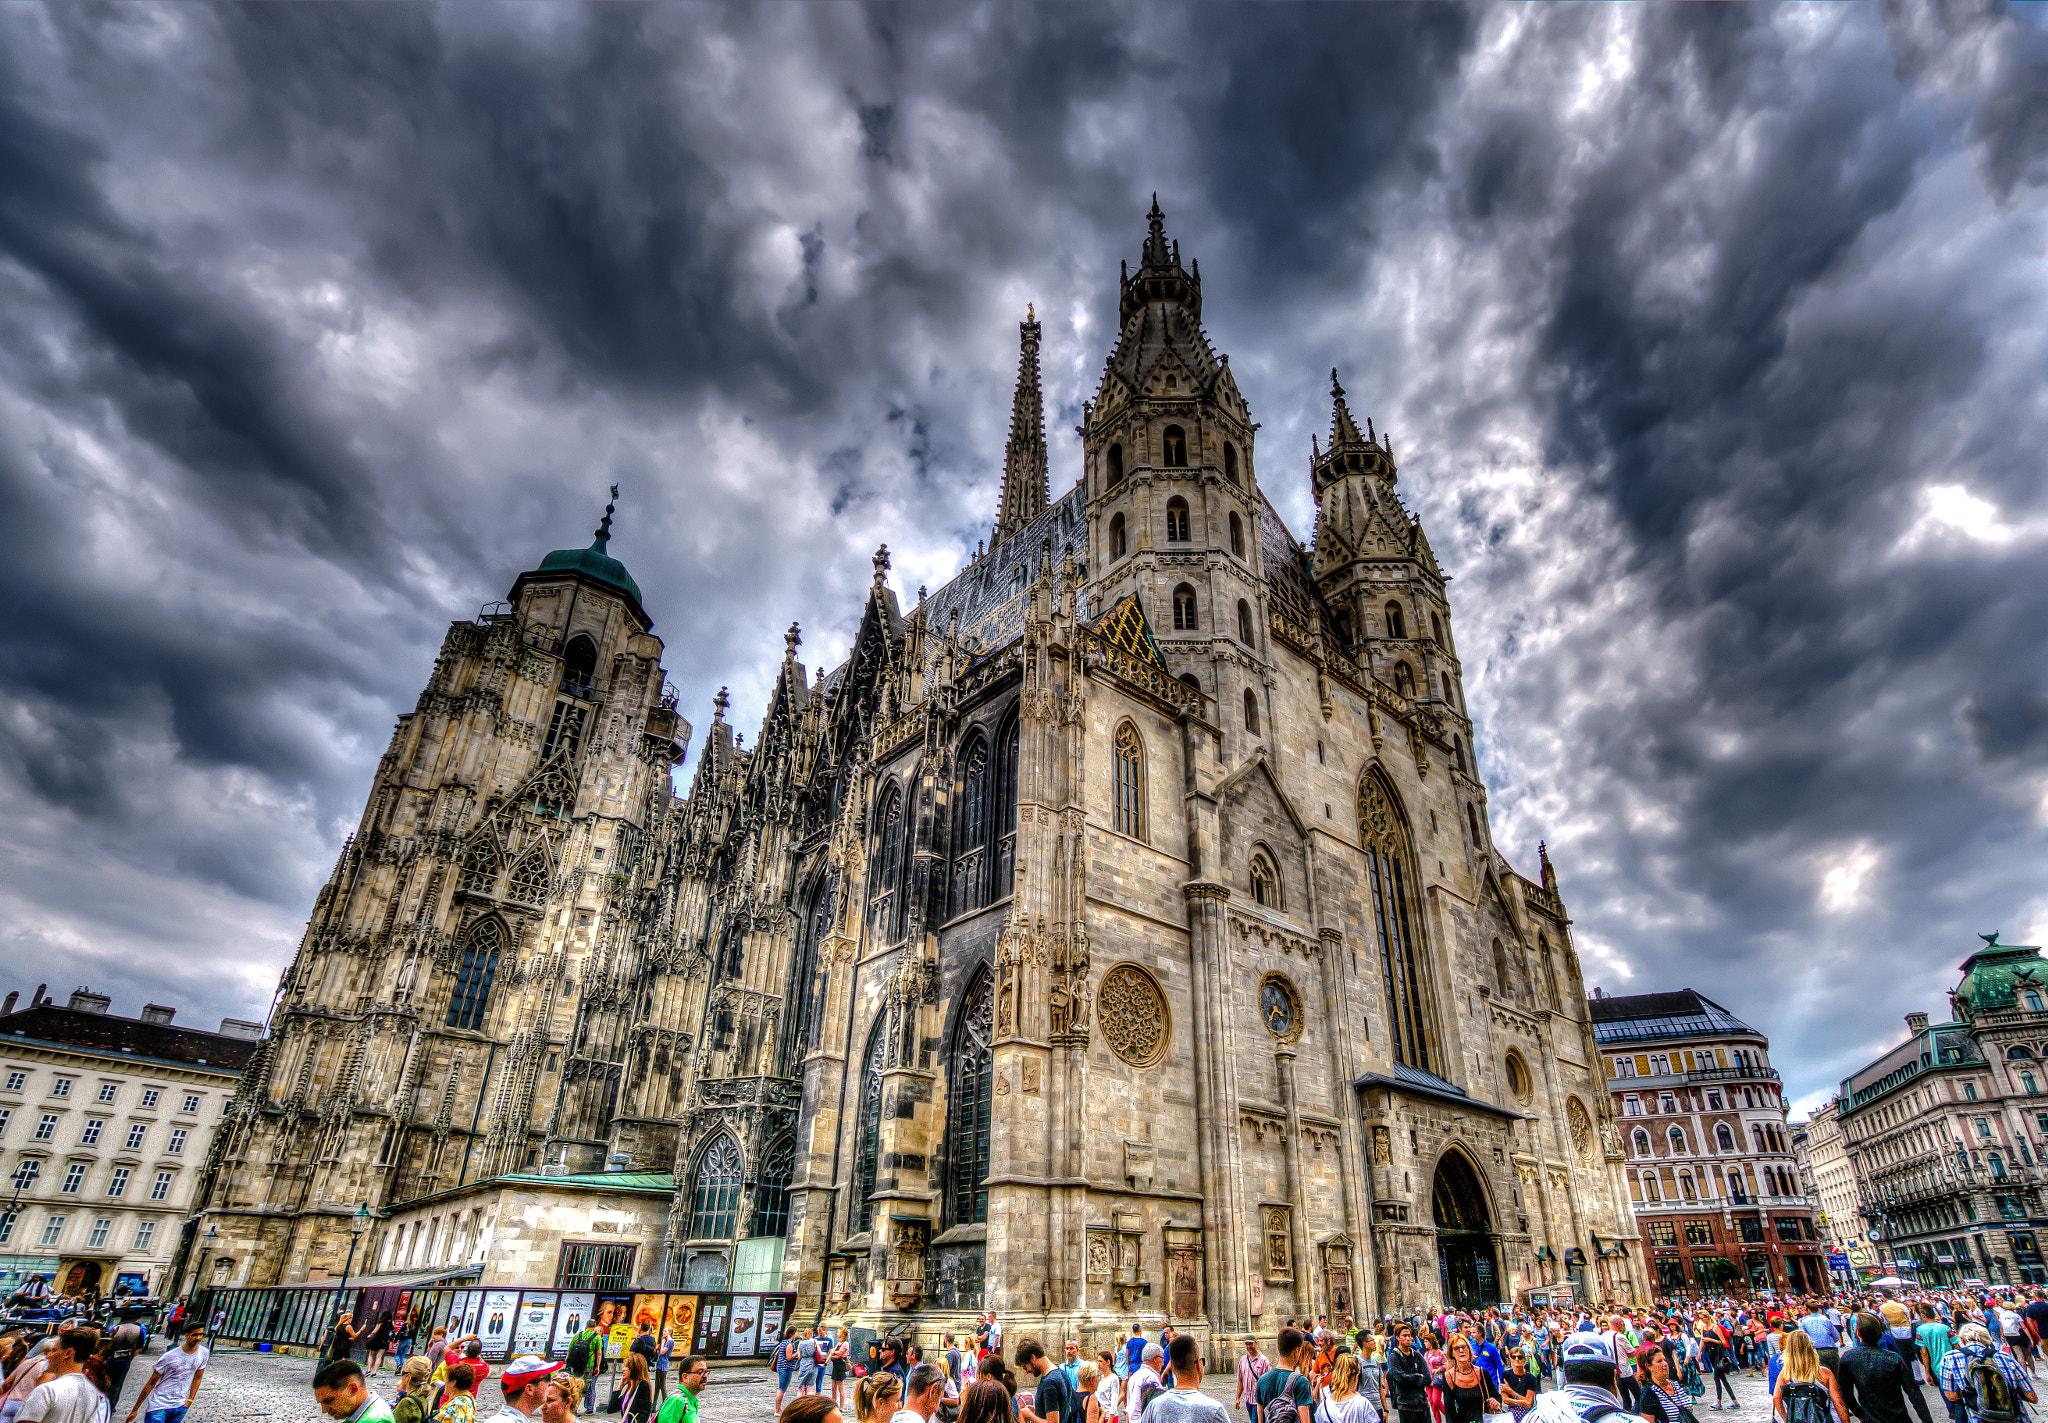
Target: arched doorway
{"points": [[1464, 1234]]}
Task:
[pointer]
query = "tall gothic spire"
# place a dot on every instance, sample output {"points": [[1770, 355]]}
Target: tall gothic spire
{"points": [[1024, 470]]}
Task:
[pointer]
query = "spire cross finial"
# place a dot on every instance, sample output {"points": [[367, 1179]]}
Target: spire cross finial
{"points": [[790, 641], [881, 564], [604, 528], [719, 703], [1031, 311]]}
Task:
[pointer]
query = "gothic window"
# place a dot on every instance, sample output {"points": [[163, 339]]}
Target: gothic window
{"points": [[1176, 520], [1642, 1142], [1244, 622], [1677, 1135], [1458, 752], [1404, 680], [1237, 536], [1503, 975], [715, 1191], [868, 1135], [1344, 629], [1114, 460], [551, 796], [1251, 711], [1190, 679], [1395, 626], [1388, 867], [1184, 609], [1130, 782], [812, 973], [1472, 820], [1116, 536], [771, 1192], [1265, 881], [473, 978], [1450, 695], [970, 828], [1003, 807], [1230, 473], [1175, 447], [480, 866], [565, 730], [579, 667], [968, 1105], [885, 897], [530, 877], [1724, 1139]]}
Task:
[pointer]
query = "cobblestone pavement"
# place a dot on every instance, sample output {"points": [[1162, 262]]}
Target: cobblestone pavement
{"points": [[242, 1385]]}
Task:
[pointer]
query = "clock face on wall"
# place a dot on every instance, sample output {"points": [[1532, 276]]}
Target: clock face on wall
{"points": [[1276, 1006]]}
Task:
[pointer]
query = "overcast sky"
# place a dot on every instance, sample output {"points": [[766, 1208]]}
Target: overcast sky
{"points": [[1710, 339]]}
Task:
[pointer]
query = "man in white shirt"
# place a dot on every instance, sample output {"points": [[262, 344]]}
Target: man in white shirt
{"points": [[921, 1394], [174, 1383], [66, 1395], [1148, 1377]]}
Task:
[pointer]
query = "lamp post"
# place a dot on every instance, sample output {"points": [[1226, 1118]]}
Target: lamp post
{"points": [[357, 1224]]}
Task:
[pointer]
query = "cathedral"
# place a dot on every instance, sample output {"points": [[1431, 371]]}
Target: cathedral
{"points": [[1116, 933]]}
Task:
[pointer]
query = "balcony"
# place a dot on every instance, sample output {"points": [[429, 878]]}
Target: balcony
{"points": [[1722, 1203], [1732, 1074]]}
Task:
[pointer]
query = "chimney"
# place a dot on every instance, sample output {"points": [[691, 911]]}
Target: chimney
{"points": [[1916, 1023], [10, 1003], [37, 1001], [157, 1013], [241, 1028], [84, 1000]]}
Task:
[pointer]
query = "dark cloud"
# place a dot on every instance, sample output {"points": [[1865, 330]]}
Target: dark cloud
{"points": [[1709, 338]]}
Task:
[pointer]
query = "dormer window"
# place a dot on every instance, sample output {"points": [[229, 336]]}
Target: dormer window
{"points": [[1175, 447]]}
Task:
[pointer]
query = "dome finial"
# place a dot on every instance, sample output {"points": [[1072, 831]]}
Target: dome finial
{"points": [[604, 527]]}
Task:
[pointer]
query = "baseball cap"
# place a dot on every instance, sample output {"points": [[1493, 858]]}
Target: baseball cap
{"points": [[524, 1370], [1587, 1348]]}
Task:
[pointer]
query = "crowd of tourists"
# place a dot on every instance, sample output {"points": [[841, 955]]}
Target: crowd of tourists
{"points": [[77, 1373]]}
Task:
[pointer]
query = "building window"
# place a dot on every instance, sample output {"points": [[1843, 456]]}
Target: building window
{"points": [[91, 1135], [1117, 542], [74, 1177], [1244, 620], [101, 1229], [1396, 627], [2027, 1081], [16, 1081], [1114, 463], [136, 1132], [968, 1105], [177, 1142], [532, 876], [1265, 881], [715, 1191], [1458, 753], [1984, 1128], [1713, 1101], [473, 979], [1663, 1232], [1678, 1146], [1472, 823], [1699, 1232], [1724, 1139], [1176, 520], [61, 1087], [1970, 1091], [1632, 1106], [191, 1103], [117, 1184], [1175, 447], [885, 913], [53, 1231], [161, 1188], [1251, 711], [1184, 609], [28, 1173], [594, 1267], [565, 732], [150, 1097], [868, 1136], [970, 827], [1387, 863], [1237, 536], [108, 1091], [1130, 782], [145, 1235], [1230, 470], [6, 1116]]}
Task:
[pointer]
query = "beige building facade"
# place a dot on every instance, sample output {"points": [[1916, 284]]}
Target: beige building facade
{"points": [[1831, 1176], [1117, 932]]}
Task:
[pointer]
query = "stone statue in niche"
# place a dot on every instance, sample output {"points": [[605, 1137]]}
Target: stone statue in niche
{"points": [[1382, 1147], [1058, 1007]]}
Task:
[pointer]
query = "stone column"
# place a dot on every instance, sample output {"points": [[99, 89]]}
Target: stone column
{"points": [[1297, 1207], [1226, 1297]]}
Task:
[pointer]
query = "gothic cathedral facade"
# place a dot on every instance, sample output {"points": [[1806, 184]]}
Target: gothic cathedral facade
{"points": [[1116, 933]]}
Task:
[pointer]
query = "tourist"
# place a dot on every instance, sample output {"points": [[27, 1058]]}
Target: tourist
{"points": [[437, 1345], [1965, 1390], [586, 1361], [1659, 1399], [1824, 1334], [564, 1393], [459, 1398], [1372, 1370], [987, 1402], [1806, 1391], [122, 1345], [682, 1405], [1147, 1383], [1717, 1352], [842, 1354], [636, 1395], [377, 1343], [875, 1398], [1875, 1382], [1520, 1385], [1287, 1376], [922, 1394], [662, 1356], [1185, 1402], [1252, 1367], [342, 1395], [341, 1339], [1071, 1367], [1109, 1389], [1407, 1379], [524, 1386], [1341, 1400], [813, 1409], [1053, 1400], [174, 1382], [27, 1372], [415, 1401], [1134, 1350], [1469, 1392], [67, 1392]]}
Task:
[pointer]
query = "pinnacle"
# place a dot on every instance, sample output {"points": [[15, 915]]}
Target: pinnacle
{"points": [[1343, 429]]}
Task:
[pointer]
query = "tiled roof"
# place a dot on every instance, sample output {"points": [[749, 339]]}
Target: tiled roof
{"points": [[130, 1037]]}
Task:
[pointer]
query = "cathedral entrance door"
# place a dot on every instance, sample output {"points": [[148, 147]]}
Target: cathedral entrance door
{"points": [[1464, 1235]]}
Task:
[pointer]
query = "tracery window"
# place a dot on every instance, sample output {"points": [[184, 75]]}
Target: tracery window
{"points": [[885, 893], [1130, 782], [970, 828], [530, 877], [1244, 620], [480, 865], [1003, 808], [1265, 881], [473, 977], [1116, 536], [565, 731], [1175, 447], [968, 1105], [1396, 627], [812, 975], [1184, 609], [1388, 865], [715, 1191], [1176, 520], [771, 1192], [868, 1134], [1251, 711]]}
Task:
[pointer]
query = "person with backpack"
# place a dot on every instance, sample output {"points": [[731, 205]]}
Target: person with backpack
{"points": [[586, 1359], [1984, 1381], [1285, 1394], [1250, 1369], [1806, 1391]]}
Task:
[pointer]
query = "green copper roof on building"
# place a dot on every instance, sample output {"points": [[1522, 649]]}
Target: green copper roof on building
{"points": [[1995, 974], [658, 1183], [594, 562]]}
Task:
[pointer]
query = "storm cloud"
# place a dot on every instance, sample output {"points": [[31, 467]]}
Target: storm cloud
{"points": [[1710, 340]]}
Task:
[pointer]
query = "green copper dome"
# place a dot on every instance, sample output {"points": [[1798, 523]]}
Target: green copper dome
{"points": [[1993, 976], [594, 562]]}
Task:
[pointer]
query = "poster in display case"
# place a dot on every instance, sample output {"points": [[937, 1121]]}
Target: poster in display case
{"points": [[569, 1316], [496, 1330], [742, 1326], [682, 1322], [533, 1328]]}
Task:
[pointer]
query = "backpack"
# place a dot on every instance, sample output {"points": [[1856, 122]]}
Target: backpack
{"points": [[1808, 1403], [1281, 1407], [1991, 1395], [579, 1354]]}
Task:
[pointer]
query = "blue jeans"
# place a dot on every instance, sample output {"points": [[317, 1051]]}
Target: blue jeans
{"points": [[164, 1415]]}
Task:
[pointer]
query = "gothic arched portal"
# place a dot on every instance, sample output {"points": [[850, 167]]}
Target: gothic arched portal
{"points": [[1464, 1235]]}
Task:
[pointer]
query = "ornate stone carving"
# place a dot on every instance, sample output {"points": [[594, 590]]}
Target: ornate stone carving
{"points": [[1133, 1015], [1581, 1125], [1382, 1147]]}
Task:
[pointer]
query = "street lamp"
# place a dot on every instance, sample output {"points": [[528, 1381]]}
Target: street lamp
{"points": [[357, 1224]]}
